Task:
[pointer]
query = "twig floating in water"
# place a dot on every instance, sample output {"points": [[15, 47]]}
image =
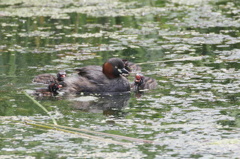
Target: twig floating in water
{"points": [[57, 128], [41, 106], [70, 129]]}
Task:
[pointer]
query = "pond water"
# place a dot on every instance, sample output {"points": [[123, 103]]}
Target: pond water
{"points": [[191, 48]]}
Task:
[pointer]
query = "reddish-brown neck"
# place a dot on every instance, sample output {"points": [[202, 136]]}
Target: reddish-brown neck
{"points": [[108, 70]]}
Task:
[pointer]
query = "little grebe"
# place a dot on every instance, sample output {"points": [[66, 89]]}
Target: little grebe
{"points": [[141, 82], [131, 67], [51, 90], [96, 79], [48, 78]]}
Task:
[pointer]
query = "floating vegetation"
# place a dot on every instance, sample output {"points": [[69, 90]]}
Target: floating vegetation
{"points": [[36, 33], [191, 48], [41, 106]]}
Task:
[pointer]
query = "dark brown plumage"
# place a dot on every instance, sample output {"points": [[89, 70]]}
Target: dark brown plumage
{"points": [[142, 82], [96, 79], [48, 78], [131, 67]]}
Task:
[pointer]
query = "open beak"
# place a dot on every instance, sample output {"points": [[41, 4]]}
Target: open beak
{"points": [[124, 71]]}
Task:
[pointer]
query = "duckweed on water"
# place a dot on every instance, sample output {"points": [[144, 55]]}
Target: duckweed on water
{"points": [[194, 112]]}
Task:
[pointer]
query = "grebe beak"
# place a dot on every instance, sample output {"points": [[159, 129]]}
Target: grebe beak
{"points": [[123, 71]]}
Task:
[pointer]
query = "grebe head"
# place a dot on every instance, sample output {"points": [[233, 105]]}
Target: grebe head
{"points": [[61, 75], [114, 67]]}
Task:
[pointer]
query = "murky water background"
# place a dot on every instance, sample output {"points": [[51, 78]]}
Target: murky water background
{"points": [[191, 48]]}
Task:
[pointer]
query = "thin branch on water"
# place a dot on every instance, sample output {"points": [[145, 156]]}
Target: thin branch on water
{"points": [[97, 133], [57, 128], [41, 106]]}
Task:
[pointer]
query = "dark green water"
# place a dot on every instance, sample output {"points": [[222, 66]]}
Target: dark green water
{"points": [[191, 48]]}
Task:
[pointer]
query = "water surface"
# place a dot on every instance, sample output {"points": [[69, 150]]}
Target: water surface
{"points": [[190, 48]]}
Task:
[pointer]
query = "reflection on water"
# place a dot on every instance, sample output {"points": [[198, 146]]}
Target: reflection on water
{"points": [[108, 105]]}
